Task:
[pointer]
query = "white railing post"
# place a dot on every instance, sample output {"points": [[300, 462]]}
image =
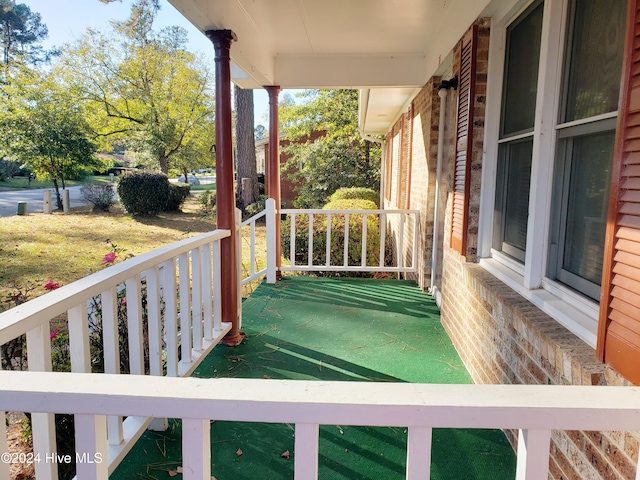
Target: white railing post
{"points": [[292, 240], [217, 288], [79, 348], [91, 451], [196, 449], [346, 240], [363, 260], [533, 454], [419, 453], [383, 238], [43, 425], [4, 446], [170, 316], [239, 255], [154, 321], [111, 346], [271, 240], [185, 308], [134, 325], [207, 292], [196, 293], [306, 452], [328, 241], [310, 246]]}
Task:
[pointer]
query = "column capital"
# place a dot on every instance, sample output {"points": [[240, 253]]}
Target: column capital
{"points": [[273, 91], [222, 37]]}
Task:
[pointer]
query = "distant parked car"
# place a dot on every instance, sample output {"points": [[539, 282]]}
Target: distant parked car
{"points": [[192, 180]]}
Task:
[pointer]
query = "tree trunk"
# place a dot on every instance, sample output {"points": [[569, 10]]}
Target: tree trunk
{"points": [[163, 160], [245, 147], [58, 197]]}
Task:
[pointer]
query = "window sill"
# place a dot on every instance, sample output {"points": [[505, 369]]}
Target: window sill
{"points": [[578, 315]]}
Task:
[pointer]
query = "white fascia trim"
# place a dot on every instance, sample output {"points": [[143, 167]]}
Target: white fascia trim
{"points": [[554, 300]]}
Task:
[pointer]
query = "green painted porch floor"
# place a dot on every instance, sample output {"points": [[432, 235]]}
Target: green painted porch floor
{"points": [[333, 329]]}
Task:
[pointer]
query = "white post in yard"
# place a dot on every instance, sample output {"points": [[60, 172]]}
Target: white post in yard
{"points": [[66, 202], [271, 240], [533, 454], [47, 201]]}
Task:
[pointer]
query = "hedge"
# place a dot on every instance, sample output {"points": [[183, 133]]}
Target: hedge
{"points": [[178, 193], [356, 193], [144, 193]]}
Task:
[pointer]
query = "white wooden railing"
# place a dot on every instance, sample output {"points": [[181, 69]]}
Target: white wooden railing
{"points": [[182, 287], [269, 253], [535, 410]]}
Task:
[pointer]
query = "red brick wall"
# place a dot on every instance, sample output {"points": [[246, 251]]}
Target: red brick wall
{"points": [[501, 337]]}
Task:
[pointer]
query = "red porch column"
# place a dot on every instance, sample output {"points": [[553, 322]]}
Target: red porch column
{"points": [[273, 186], [225, 195]]}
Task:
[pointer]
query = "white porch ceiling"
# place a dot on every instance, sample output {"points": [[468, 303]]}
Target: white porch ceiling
{"points": [[390, 47]]}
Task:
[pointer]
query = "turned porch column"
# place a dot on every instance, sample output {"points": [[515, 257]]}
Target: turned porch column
{"points": [[225, 194], [273, 185]]}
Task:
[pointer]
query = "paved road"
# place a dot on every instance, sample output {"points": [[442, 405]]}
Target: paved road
{"points": [[35, 204]]}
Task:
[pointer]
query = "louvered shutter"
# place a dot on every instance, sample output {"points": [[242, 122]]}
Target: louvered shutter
{"points": [[464, 141], [619, 326]]}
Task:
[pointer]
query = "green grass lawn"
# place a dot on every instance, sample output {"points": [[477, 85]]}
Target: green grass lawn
{"points": [[23, 182]]}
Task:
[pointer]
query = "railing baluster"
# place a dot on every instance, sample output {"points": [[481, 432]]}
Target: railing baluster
{"points": [[252, 245], [328, 248], [196, 449], [401, 242], [383, 238], [196, 292], [185, 308], [91, 451], [363, 260], [42, 424], [419, 453], [170, 316], [4, 446], [79, 349], [416, 241], [134, 325], [533, 454], [154, 321], [217, 289], [306, 451], [345, 263], [310, 259], [271, 240], [292, 240], [108, 300], [207, 292]]}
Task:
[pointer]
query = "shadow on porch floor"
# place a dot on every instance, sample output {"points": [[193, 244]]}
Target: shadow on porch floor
{"points": [[343, 330]]}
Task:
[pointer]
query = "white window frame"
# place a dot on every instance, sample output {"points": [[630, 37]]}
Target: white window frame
{"points": [[574, 311]]}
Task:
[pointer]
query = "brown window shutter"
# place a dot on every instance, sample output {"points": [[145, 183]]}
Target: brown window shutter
{"points": [[619, 324], [464, 141]]}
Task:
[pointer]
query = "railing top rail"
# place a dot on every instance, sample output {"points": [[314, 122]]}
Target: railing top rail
{"points": [[315, 211], [257, 216], [20, 319], [343, 403]]}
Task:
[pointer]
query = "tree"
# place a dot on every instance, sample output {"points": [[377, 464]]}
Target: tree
{"points": [[245, 148], [327, 151], [46, 132], [260, 132], [21, 30], [144, 89]]}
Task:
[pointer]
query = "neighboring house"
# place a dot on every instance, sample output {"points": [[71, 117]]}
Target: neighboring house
{"points": [[288, 191], [536, 270]]}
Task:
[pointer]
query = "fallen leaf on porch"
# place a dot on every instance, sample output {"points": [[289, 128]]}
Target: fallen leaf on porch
{"points": [[172, 473], [340, 428], [266, 377], [179, 469], [286, 455], [239, 452]]}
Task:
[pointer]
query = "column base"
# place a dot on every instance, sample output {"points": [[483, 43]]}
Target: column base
{"points": [[233, 339]]}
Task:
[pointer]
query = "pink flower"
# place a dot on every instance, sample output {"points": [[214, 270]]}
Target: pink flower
{"points": [[123, 302], [51, 285], [109, 258], [54, 334]]}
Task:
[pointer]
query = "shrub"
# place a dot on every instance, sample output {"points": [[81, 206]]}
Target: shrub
{"points": [[144, 193], [208, 201], [257, 206], [354, 249], [178, 193], [101, 197], [357, 193]]}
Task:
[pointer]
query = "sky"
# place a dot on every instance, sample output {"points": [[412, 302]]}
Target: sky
{"points": [[68, 19]]}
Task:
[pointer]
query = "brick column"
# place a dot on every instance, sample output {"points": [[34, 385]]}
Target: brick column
{"points": [[225, 194], [273, 167]]}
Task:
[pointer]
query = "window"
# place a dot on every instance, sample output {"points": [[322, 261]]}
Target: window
{"points": [[586, 133], [516, 132]]}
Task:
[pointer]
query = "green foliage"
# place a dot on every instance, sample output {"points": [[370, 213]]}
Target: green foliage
{"points": [[144, 193], [207, 201], [144, 91], [257, 206], [337, 235], [21, 32], [178, 193], [357, 193], [338, 157], [101, 197]]}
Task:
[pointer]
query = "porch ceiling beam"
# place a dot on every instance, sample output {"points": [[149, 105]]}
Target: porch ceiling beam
{"points": [[349, 71]]}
